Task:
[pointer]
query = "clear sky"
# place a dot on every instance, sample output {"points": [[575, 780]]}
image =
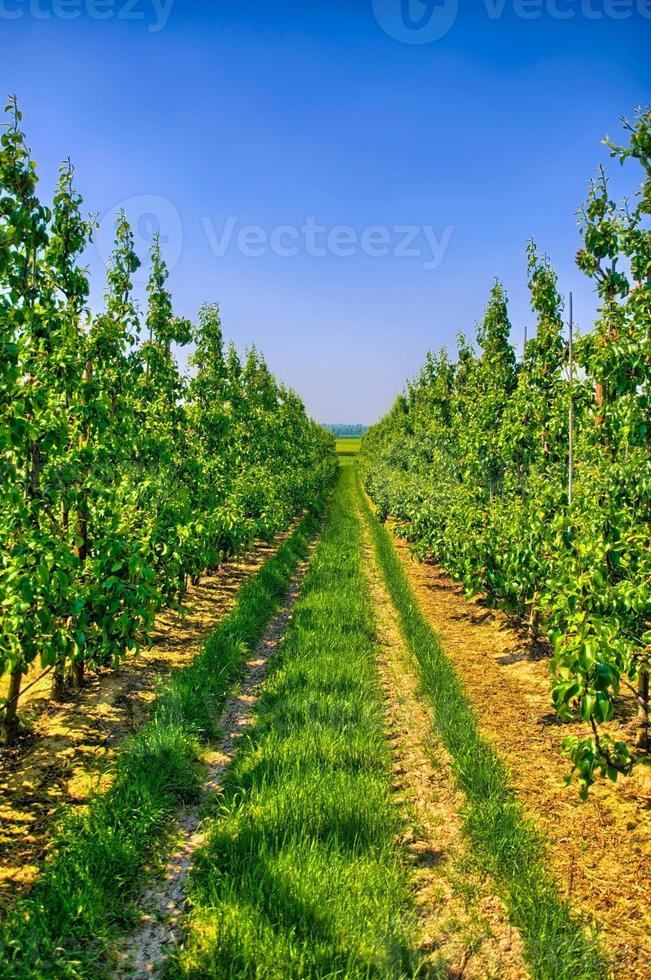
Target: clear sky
{"points": [[346, 134]]}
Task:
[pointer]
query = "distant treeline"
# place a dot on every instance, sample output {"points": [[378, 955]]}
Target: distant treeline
{"points": [[343, 431]]}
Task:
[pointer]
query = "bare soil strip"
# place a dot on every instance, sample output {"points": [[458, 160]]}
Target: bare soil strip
{"points": [[69, 754], [146, 950], [463, 927], [600, 851]]}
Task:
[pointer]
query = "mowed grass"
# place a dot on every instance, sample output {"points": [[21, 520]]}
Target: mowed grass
{"points": [[301, 875], [504, 842], [349, 446], [101, 858]]}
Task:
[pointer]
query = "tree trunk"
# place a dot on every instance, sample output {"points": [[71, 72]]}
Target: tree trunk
{"points": [[600, 398], [58, 689], [10, 713], [77, 675], [82, 549], [35, 472], [642, 741], [534, 623]]}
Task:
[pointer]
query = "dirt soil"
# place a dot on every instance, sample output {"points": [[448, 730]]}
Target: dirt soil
{"points": [[600, 850], [145, 952], [70, 749], [463, 927]]}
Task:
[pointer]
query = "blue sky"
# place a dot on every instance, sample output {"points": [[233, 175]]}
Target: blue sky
{"points": [[208, 117]]}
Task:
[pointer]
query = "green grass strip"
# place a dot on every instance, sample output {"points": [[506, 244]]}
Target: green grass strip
{"points": [[101, 857], [301, 875], [504, 841]]}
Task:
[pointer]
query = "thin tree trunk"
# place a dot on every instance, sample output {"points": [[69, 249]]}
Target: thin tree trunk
{"points": [[35, 472], [10, 714], [642, 741], [570, 460], [82, 549], [534, 623], [600, 399], [77, 675], [58, 689]]}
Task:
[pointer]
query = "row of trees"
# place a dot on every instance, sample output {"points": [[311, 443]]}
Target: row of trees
{"points": [[531, 481], [346, 431], [120, 478]]}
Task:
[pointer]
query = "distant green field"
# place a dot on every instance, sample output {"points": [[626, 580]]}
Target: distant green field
{"points": [[348, 446]]}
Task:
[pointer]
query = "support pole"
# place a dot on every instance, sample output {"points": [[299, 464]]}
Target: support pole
{"points": [[570, 482]]}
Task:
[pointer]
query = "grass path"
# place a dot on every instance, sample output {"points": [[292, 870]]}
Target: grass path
{"points": [[302, 874], [464, 928], [364, 828], [503, 841], [146, 949]]}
